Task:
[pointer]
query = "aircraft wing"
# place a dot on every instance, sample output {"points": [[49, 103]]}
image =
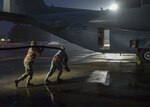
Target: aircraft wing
{"points": [[18, 18], [26, 19]]}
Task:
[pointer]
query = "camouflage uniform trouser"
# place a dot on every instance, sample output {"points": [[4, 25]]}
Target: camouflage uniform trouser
{"points": [[28, 72], [55, 65]]}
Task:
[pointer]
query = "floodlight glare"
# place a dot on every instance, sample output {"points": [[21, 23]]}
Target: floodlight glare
{"points": [[114, 7]]}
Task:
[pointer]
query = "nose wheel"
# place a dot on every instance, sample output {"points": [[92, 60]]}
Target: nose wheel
{"points": [[144, 55], [147, 55]]}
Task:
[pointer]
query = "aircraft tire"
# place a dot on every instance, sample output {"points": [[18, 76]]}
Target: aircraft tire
{"points": [[145, 55]]}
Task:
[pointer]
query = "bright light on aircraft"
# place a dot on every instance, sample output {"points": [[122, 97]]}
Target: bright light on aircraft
{"points": [[114, 7]]}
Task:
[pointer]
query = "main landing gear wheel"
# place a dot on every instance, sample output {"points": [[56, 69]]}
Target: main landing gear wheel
{"points": [[145, 55]]}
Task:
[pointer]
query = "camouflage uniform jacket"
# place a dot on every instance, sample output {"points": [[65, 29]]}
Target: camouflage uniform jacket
{"points": [[31, 55]]}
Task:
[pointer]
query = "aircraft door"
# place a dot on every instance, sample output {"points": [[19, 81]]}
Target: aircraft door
{"points": [[104, 38]]}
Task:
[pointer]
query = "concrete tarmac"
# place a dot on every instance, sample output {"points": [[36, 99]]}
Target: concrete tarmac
{"points": [[95, 80]]}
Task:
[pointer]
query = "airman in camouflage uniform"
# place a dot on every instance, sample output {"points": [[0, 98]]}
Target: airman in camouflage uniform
{"points": [[28, 62], [59, 60]]}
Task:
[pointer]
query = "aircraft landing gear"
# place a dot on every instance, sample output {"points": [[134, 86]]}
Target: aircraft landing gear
{"points": [[144, 55]]}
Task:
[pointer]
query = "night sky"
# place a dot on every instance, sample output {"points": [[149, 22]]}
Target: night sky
{"points": [[84, 4]]}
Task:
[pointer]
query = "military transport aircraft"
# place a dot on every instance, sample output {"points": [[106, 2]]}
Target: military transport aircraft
{"points": [[126, 30]]}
